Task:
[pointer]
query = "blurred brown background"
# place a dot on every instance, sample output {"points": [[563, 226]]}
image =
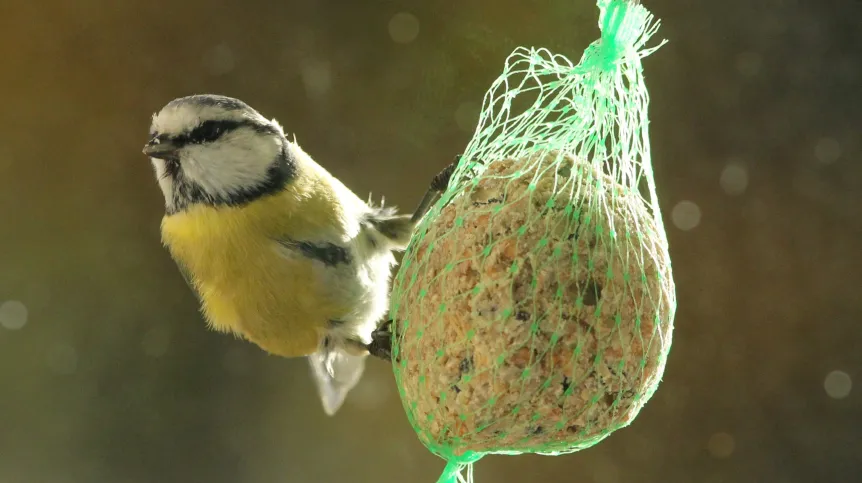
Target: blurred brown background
{"points": [[108, 374]]}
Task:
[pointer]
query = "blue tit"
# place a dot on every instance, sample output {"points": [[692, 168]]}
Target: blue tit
{"points": [[278, 251]]}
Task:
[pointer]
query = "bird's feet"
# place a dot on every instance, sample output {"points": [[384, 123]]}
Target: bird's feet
{"points": [[437, 187], [381, 342], [441, 180]]}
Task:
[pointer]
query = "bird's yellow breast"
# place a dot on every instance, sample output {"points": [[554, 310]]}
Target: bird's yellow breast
{"points": [[246, 284]]}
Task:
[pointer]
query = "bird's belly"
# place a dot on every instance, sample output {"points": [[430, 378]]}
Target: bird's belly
{"points": [[247, 288], [279, 299], [277, 325]]}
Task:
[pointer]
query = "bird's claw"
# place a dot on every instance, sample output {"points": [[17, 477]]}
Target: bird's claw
{"points": [[381, 342]]}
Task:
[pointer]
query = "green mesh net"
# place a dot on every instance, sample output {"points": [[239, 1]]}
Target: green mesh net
{"points": [[533, 309]]}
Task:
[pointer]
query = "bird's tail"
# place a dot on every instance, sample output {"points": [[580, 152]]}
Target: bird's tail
{"points": [[335, 371]]}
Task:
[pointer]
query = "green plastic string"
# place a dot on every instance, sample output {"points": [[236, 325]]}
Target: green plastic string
{"points": [[594, 110], [609, 62], [455, 466]]}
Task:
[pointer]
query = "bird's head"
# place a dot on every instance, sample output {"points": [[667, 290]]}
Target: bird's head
{"points": [[216, 150]]}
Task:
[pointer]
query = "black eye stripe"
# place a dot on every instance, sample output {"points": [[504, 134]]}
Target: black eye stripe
{"points": [[209, 131]]}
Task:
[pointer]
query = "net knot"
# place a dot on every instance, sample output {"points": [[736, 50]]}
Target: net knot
{"points": [[626, 26], [455, 466]]}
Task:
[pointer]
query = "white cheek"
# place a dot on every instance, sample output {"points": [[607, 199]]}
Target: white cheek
{"points": [[228, 166]]}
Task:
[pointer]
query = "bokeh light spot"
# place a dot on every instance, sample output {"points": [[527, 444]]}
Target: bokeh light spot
{"points": [[734, 178], [749, 63], [467, 116], [404, 27], [155, 342], [62, 359], [721, 445], [686, 215], [827, 150], [838, 384], [219, 60], [317, 78], [13, 315]]}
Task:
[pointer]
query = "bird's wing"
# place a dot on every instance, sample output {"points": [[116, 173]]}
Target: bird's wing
{"points": [[332, 273]]}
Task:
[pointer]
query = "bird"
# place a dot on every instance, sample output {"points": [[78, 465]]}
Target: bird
{"points": [[278, 251]]}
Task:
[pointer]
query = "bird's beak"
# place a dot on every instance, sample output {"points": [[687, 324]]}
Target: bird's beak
{"points": [[161, 149]]}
